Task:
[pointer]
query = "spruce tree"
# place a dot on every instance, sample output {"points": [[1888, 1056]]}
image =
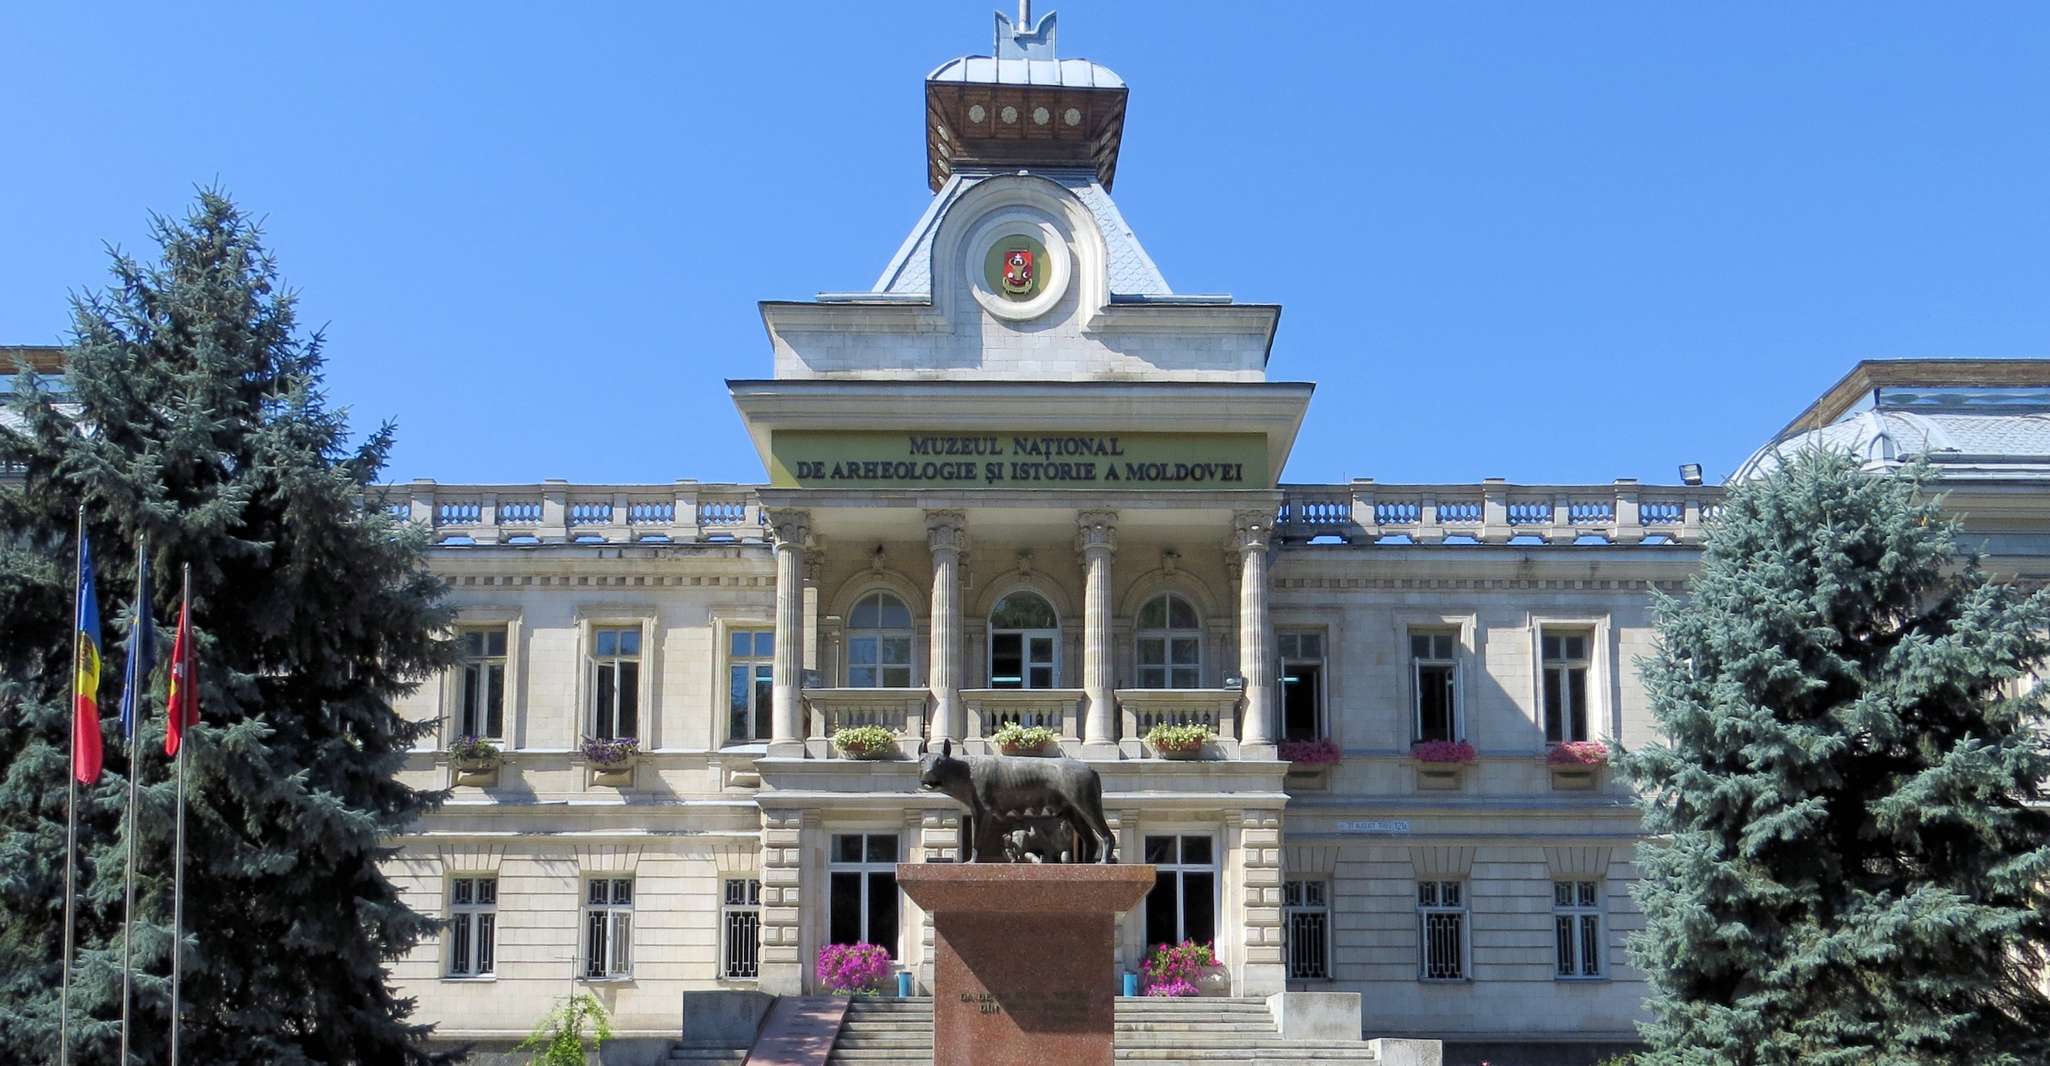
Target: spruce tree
{"points": [[1847, 853], [193, 418]]}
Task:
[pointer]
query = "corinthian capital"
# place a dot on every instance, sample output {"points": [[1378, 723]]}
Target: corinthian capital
{"points": [[1252, 530], [1096, 529], [946, 530], [788, 526]]}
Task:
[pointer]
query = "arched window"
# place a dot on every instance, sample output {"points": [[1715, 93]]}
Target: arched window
{"points": [[1170, 643], [1024, 635], [879, 643]]}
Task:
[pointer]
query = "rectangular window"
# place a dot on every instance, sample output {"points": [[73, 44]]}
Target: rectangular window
{"points": [[472, 926], [750, 660], [862, 876], [1434, 669], [480, 681], [1565, 684], [1577, 926], [1183, 903], [616, 682], [608, 927], [1306, 928], [740, 923], [1441, 931], [1302, 685]]}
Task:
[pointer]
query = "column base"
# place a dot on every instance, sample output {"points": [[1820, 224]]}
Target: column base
{"points": [[1250, 751], [1262, 979], [786, 749], [780, 979], [1101, 749]]}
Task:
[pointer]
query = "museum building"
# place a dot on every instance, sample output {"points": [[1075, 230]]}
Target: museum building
{"points": [[1024, 481]]}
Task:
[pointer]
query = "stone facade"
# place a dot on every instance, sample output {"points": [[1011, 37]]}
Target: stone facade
{"points": [[969, 522]]}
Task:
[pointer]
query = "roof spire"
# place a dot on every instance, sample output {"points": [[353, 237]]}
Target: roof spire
{"points": [[1024, 39]]}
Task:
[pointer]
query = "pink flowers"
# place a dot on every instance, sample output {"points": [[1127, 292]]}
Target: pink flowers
{"points": [[1449, 752], [1319, 752], [1579, 753], [854, 969], [1169, 968]]}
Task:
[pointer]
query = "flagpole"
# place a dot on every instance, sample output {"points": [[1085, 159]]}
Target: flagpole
{"points": [[132, 698], [178, 848], [70, 816]]}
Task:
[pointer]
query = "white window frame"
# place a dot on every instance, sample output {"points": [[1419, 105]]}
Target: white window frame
{"points": [[758, 711], [1051, 634], [1431, 904], [451, 694], [864, 868], [598, 665], [733, 905], [617, 964], [589, 621], [1215, 868], [1305, 895], [1581, 907], [1450, 664], [473, 928], [882, 634], [482, 664], [1322, 662], [1564, 665], [1167, 634]]}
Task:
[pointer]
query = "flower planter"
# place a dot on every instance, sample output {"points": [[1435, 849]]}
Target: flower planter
{"points": [[1310, 778], [1179, 752], [613, 775], [869, 754], [1575, 778], [1576, 765], [1440, 775], [474, 773], [1027, 751]]}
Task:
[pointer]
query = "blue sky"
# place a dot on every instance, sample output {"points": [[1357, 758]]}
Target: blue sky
{"points": [[1548, 242]]}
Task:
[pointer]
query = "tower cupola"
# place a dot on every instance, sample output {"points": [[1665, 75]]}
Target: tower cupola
{"points": [[1023, 106]]}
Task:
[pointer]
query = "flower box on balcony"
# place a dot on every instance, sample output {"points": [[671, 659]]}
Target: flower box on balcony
{"points": [[611, 760], [1442, 764], [1014, 739], [866, 742], [473, 762], [1178, 741], [1576, 765]]}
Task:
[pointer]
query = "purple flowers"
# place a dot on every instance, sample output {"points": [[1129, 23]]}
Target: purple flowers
{"points": [[1450, 752], [1579, 753], [610, 751], [1169, 968], [468, 749], [853, 969], [1319, 752]]}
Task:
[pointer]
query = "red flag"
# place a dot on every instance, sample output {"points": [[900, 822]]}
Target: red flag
{"points": [[183, 710]]}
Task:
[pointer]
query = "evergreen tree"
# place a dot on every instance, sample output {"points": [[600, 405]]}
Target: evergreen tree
{"points": [[193, 415], [1847, 858]]}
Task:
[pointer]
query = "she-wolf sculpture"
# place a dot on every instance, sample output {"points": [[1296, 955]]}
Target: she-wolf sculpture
{"points": [[1007, 793]]}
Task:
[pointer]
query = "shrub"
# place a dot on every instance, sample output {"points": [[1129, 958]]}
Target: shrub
{"points": [[472, 749], [1579, 753], [1319, 752], [614, 751], [559, 1039], [1022, 737], [1457, 752], [1178, 737], [863, 740], [854, 969], [1169, 968]]}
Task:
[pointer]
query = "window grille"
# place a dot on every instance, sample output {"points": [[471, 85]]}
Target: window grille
{"points": [[1577, 926], [741, 921], [473, 926], [1306, 908], [608, 927], [1441, 931]]}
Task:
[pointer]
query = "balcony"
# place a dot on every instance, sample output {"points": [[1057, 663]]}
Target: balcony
{"points": [[556, 512], [1143, 708], [1496, 512], [990, 709], [900, 710]]}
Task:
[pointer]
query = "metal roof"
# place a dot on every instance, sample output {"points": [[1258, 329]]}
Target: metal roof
{"points": [[1064, 73]]}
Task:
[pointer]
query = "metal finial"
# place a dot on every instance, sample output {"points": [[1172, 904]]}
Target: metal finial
{"points": [[1024, 14]]}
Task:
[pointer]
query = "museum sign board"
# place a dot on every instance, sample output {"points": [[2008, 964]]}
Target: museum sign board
{"points": [[1017, 459]]}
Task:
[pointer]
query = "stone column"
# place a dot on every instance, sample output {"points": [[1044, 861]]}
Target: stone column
{"points": [[946, 533], [1251, 533], [1096, 537], [789, 528]]}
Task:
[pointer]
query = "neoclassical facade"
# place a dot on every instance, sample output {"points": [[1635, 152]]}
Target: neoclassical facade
{"points": [[1023, 480]]}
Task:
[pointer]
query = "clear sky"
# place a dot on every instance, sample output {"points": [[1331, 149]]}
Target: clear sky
{"points": [[1548, 242]]}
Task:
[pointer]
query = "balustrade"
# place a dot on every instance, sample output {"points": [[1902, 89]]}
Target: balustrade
{"points": [[902, 711], [556, 512]]}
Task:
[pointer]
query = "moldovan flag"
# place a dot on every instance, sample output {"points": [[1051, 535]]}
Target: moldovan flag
{"points": [[183, 712], [85, 710]]}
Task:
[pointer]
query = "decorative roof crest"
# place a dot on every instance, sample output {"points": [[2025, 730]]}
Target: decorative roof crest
{"points": [[1025, 39]]}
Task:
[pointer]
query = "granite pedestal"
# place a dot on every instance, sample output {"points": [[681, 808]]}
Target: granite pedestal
{"points": [[1025, 960]]}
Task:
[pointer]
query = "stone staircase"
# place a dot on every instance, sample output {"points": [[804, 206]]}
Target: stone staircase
{"points": [[1161, 1032], [681, 1053]]}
